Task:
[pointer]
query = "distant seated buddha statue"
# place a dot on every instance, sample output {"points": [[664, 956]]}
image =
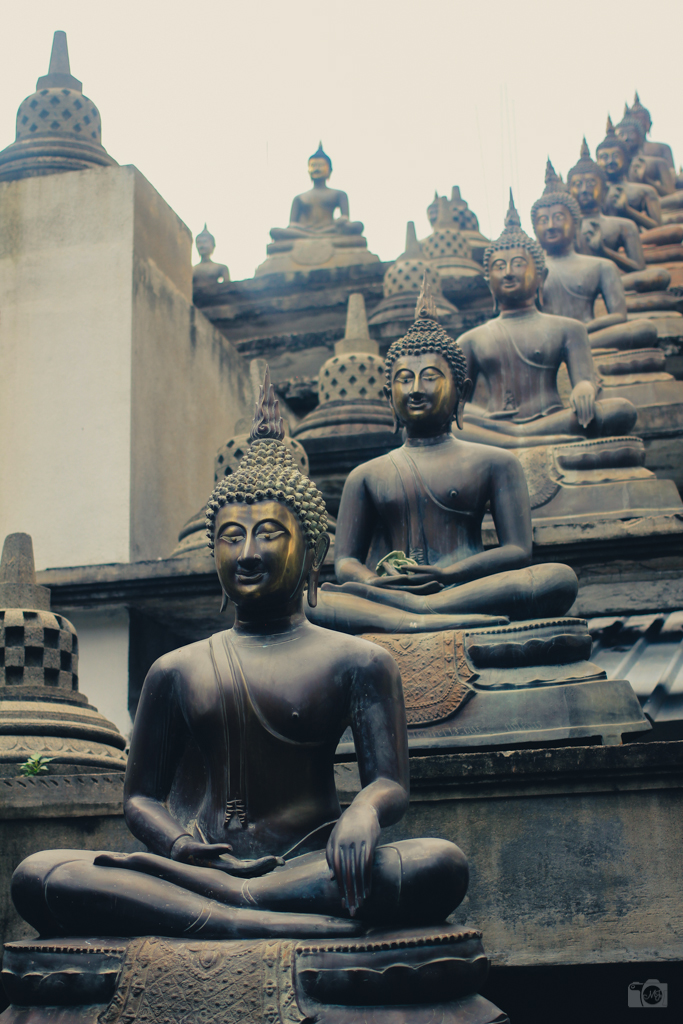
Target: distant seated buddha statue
{"points": [[313, 212], [574, 281], [599, 234], [650, 148], [519, 354], [626, 198], [208, 272], [314, 237], [644, 168]]}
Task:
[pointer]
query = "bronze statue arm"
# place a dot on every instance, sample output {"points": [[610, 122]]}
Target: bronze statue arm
{"points": [[158, 742], [630, 239], [380, 735], [653, 205], [612, 291], [355, 525], [343, 202], [579, 359], [295, 212]]}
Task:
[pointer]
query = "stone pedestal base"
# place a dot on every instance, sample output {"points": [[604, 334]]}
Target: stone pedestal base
{"points": [[588, 481], [305, 254], [526, 683], [397, 977]]}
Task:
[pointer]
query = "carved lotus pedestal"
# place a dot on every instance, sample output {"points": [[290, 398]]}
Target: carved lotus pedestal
{"points": [[301, 255], [425, 975], [526, 683]]}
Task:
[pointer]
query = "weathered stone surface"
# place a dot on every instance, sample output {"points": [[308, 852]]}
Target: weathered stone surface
{"points": [[574, 851], [56, 812]]}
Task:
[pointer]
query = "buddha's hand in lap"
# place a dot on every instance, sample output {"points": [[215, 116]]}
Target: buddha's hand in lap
{"points": [[582, 401], [350, 852], [218, 856]]}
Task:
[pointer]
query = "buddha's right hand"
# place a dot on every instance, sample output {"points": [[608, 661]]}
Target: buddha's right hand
{"points": [[218, 855]]}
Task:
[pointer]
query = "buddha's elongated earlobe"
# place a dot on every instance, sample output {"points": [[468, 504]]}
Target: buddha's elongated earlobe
{"points": [[224, 602], [321, 549], [464, 396]]}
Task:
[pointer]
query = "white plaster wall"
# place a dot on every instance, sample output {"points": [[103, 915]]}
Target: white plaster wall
{"points": [[66, 256], [103, 661]]}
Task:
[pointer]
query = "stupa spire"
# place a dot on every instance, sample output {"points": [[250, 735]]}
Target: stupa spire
{"points": [[426, 303], [59, 73], [413, 249]]}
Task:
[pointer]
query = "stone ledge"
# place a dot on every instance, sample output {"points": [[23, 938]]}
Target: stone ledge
{"points": [[532, 772], [62, 796]]}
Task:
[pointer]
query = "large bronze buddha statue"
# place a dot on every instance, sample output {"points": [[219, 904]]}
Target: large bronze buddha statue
{"points": [[230, 779], [574, 281], [625, 198], [519, 354]]}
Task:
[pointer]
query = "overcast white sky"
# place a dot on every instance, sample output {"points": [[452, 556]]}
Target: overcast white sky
{"points": [[220, 104]]}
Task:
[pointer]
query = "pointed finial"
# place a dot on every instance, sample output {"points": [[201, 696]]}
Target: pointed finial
{"points": [[436, 195], [444, 217], [18, 587], [455, 194], [552, 181], [512, 219], [609, 130], [267, 425], [413, 248], [627, 110], [59, 73], [356, 336], [636, 98], [426, 304], [584, 152]]}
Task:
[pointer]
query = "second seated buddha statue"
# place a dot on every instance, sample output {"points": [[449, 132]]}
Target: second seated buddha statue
{"points": [[314, 237]]}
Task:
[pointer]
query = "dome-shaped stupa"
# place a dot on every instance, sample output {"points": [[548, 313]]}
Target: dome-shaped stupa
{"points": [[42, 711], [58, 128], [403, 283]]}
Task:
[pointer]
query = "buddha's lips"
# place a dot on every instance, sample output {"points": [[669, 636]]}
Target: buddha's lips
{"points": [[248, 577]]}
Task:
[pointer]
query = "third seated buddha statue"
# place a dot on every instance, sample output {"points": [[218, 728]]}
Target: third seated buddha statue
{"points": [[651, 170], [574, 281]]}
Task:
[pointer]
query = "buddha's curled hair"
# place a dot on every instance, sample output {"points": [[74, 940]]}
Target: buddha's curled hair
{"points": [[427, 335], [514, 238], [268, 473]]}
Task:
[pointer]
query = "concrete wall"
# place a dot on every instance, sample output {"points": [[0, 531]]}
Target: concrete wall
{"points": [[114, 391], [103, 661]]}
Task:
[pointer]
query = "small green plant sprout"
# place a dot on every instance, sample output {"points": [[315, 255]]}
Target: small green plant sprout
{"points": [[35, 765]]}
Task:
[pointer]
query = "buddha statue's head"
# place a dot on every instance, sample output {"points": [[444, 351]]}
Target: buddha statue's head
{"points": [[587, 182], [556, 218], [205, 243], [267, 523], [642, 114], [426, 374], [319, 165], [611, 155], [514, 265], [630, 133]]}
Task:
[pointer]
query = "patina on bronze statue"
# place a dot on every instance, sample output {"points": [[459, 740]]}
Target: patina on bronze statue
{"points": [[230, 780]]}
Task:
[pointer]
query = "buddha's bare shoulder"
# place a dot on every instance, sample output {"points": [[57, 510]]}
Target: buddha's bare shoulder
{"points": [[476, 334], [373, 469], [354, 651], [485, 456], [182, 663]]}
